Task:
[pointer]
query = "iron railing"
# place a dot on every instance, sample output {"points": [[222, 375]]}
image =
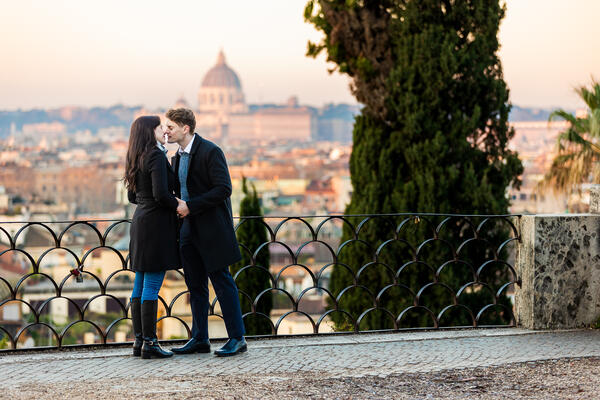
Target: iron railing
{"points": [[67, 283]]}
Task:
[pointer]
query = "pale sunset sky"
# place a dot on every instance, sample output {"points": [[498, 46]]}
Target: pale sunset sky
{"points": [[149, 52]]}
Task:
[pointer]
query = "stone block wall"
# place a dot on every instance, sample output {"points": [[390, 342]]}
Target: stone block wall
{"points": [[558, 262]]}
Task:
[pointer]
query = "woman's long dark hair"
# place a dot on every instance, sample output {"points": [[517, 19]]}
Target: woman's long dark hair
{"points": [[141, 141]]}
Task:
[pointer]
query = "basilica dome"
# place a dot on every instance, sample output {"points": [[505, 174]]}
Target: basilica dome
{"points": [[221, 75], [221, 91]]}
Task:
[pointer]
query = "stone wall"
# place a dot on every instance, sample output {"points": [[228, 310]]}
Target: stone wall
{"points": [[558, 262]]}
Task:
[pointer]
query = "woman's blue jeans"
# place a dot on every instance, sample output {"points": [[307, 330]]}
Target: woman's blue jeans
{"points": [[147, 284]]}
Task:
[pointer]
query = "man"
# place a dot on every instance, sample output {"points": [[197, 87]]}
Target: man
{"points": [[207, 239]]}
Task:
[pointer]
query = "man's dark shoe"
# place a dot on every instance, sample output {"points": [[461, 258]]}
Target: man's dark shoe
{"points": [[232, 347], [193, 346]]}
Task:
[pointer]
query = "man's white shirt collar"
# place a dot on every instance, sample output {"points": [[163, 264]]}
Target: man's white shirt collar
{"points": [[188, 148], [161, 147]]}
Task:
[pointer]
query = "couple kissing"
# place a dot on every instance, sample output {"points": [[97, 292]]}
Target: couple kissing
{"points": [[183, 218]]}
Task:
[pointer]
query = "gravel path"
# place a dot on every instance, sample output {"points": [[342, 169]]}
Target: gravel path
{"points": [[471, 364], [553, 379]]}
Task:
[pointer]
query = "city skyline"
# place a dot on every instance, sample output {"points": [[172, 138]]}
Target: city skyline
{"points": [[149, 54]]}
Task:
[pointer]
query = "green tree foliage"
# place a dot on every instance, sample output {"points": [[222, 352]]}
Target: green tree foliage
{"points": [[254, 276], [4, 342], [577, 157], [432, 137]]}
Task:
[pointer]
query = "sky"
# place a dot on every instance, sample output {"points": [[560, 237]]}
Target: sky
{"points": [[150, 52]]}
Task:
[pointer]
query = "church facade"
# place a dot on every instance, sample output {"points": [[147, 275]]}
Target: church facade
{"points": [[223, 114]]}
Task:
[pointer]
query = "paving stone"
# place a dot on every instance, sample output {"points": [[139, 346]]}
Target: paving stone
{"points": [[347, 355]]}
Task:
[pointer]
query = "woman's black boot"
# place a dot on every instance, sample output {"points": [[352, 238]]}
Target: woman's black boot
{"points": [[151, 348], [136, 322]]}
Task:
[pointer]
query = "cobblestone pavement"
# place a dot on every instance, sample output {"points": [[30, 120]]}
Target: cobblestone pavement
{"points": [[342, 356]]}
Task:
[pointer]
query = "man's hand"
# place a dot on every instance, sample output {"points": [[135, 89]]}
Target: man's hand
{"points": [[182, 209]]}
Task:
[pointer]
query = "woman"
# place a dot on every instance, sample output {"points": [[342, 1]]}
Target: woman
{"points": [[153, 247]]}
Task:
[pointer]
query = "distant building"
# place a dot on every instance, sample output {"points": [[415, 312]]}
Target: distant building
{"points": [[336, 122], [223, 113], [5, 200], [535, 141], [221, 91], [320, 195], [86, 188]]}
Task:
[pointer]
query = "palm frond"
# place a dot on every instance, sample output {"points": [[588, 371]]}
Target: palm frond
{"points": [[590, 97], [577, 158], [594, 123], [567, 116]]}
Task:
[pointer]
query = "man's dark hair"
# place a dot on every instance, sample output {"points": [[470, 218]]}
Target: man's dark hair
{"points": [[182, 116]]}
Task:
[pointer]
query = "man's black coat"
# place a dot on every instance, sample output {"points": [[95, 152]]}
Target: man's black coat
{"points": [[211, 219]]}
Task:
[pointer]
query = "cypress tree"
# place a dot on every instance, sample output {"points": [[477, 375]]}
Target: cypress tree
{"points": [[432, 137], [254, 276]]}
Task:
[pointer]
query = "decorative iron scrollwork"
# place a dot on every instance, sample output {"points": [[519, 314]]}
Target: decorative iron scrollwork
{"points": [[67, 283]]}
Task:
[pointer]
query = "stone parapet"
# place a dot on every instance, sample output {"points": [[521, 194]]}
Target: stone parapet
{"points": [[558, 263], [595, 199]]}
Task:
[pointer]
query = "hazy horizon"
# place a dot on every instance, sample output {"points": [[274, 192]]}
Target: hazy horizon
{"points": [[145, 53], [164, 107]]}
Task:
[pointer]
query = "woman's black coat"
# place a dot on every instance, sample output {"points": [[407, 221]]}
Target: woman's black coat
{"points": [[154, 231]]}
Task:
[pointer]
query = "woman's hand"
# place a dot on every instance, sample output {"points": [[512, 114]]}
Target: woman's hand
{"points": [[182, 208]]}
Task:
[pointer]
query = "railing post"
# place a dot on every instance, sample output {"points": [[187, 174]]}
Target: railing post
{"points": [[558, 262]]}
